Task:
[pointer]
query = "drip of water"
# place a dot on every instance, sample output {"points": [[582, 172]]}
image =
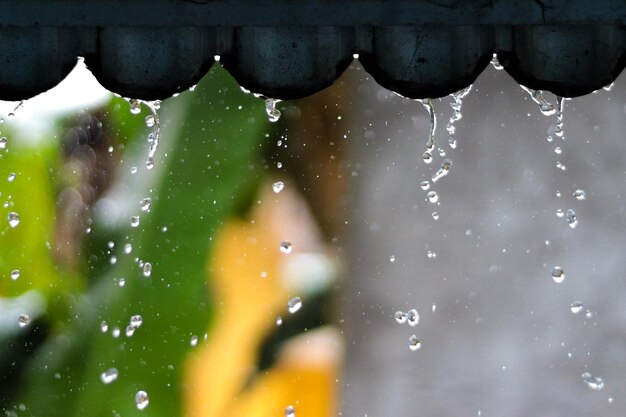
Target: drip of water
{"points": [[495, 63], [456, 104], [546, 108], [558, 132], [430, 144], [152, 121], [273, 114], [443, 170]]}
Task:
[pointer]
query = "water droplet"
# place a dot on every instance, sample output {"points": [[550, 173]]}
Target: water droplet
{"points": [[588, 314], [193, 341], [147, 269], [545, 107], [558, 193], [558, 131], [104, 327], [115, 332], [11, 177], [134, 221], [136, 321], [133, 170], [150, 120], [121, 282], [495, 63], [278, 186], [558, 275], [273, 114], [109, 376], [279, 165], [414, 343], [432, 196], [294, 305], [279, 321], [428, 157], [128, 248], [141, 400], [290, 411], [113, 260], [145, 204], [431, 254], [150, 163], [392, 258], [560, 213], [130, 330], [430, 108], [572, 220], [558, 150], [135, 106], [24, 320], [285, 246], [14, 219], [610, 400], [576, 307], [434, 307], [400, 317], [15, 274], [580, 195], [561, 166], [3, 143], [412, 317], [425, 185], [443, 170], [593, 382]]}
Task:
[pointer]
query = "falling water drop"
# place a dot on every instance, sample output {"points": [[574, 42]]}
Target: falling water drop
{"points": [[401, 317], [456, 105], [558, 132], [412, 317], [147, 269], [425, 185], [279, 321], [572, 220], [495, 63], [290, 411], [435, 215], [273, 114], [141, 400], [104, 327], [545, 107], [392, 258], [15, 274], [431, 255], [193, 341], [14, 219], [593, 382], [136, 321], [3, 143], [576, 307], [294, 305], [135, 106], [23, 320], [109, 375], [432, 196], [560, 213], [285, 246], [11, 177], [278, 186], [128, 248], [134, 221], [430, 143], [145, 204], [580, 195], [427, 157], [558, 275], [414, 343], [149, 120], [443, 170]]}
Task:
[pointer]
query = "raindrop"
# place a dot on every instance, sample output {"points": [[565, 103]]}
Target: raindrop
{"points": [[285, 246], [193, 341], [495, 63], [136, 321], [128, 248], [558, 275], [135, 106], [3, 143], [593, 382], [428, 157], [443, 170], [149, 120], [401, 317], [149, 163], [294, 305], [290, 411], [141, 400], [24, 320], [428, 105], [392, 259], [414, 343], [11, 177], [115, 332], [134, 221], [15, 274], [559, 213], [147, 269], [412, 317], [130, 330], [576, 307], [572, 220], [121, 282], [432, 196], [425, 185], [435, 215], [145, 204], [14, 219], [278, 186], [104, 327], [588, 314], [279, 321], [580, 195], [109, 376], [273, 114], [431, 254]]}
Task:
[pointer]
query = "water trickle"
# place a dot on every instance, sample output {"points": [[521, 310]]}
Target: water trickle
{"points": [[425, 185], [560, 213], [443, 170], [558, 275], [456, 105], [546, 108], [141, 400], [147, 269], [576, 307], [290, 411], [580, 195], [278, 186], [401, 317], [495, 63], [414, 343], [572, 220], [145, 204], [430, 144], [14, 219], [23, 320], [279, 321], [134, 221], [432, 196], [285, 246], [273, 114], [412, 317], [593, 382], [558, 131], [15, 274], [294, 305], [109, 375]]}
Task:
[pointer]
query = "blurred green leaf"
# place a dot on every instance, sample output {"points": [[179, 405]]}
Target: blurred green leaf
{"points": [[211, 147]]}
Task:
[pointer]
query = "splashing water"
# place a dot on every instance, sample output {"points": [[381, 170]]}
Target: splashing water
{"points": [[151, 121], [545, 107], [273, 114], [457, 105], [18, 107]]}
